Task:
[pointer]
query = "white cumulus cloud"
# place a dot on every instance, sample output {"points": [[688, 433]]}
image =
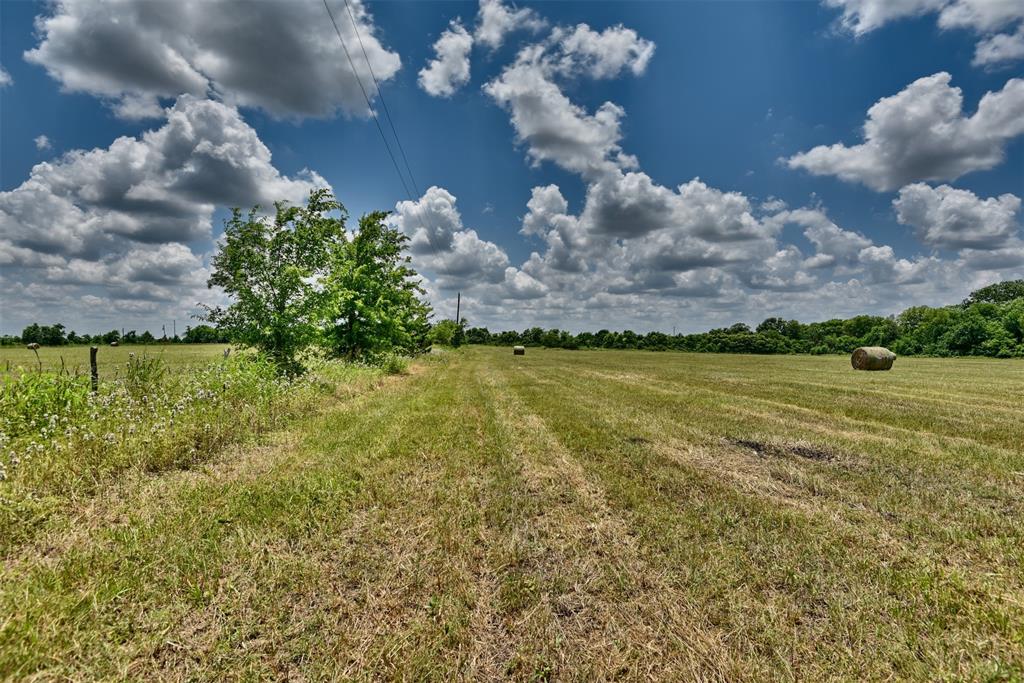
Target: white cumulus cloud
{"points": [[449, 70], [496, 20], [921, 133], [983, 17], [944, 216], [547, 123], [278, 55], [123, 223], [1000, 48]]}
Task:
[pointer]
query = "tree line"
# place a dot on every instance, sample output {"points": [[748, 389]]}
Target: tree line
{"points": [[58, 335], [301, 281], [989, 322]]}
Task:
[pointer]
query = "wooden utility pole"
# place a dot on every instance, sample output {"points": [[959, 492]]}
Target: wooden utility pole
{"points": [[458, 308], [175, 322]]}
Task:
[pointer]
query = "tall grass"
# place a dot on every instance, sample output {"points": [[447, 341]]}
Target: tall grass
{"points": [[58, 441]]}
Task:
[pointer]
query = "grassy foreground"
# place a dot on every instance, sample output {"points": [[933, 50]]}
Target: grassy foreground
{"points": [[566, 515]]}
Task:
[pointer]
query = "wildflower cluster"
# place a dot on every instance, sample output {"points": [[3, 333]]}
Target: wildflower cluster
{"points": [[56, 436]]}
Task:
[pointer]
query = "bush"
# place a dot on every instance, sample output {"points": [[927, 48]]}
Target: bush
{"points": [[393, 364]]}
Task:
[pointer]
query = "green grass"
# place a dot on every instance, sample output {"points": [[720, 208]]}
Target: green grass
{"points": [[109, 359], [566, 515]]}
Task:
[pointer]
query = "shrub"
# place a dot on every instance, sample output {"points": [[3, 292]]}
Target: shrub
{"points": [[393, 364]]}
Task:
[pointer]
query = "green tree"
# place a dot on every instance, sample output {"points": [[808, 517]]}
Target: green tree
{"points": [[998, 293], [372, 294], [272, 271], [459, 338], [203, 334], [478, 335], [47, 335], [443, 332]]}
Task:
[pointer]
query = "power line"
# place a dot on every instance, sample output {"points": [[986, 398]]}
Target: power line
{"points": [[376, 120], [380, 94], [366, 97]]}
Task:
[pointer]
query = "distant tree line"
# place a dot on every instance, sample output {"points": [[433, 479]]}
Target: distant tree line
{"points": [[990, 322], [56, 335]]}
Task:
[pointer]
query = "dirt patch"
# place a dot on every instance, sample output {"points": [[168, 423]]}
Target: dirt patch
{"points": [[801, 449]]}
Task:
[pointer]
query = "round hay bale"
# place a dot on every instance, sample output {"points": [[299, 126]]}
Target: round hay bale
{"points": [[872, 358], [518, 350]]}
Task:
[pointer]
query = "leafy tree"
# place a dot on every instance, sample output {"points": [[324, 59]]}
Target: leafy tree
{"points": [[32, 334], [787, 328], [551, 339], [203, 334], [478, 335], [443, 332], [998, 293], [272, 270], [372, 294], [46, 335], [459, 338]]}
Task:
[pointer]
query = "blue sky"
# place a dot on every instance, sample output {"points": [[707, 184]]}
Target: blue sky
{"points": [[542, 211]]}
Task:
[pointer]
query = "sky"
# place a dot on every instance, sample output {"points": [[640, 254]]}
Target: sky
{"points": [[581, 165]]}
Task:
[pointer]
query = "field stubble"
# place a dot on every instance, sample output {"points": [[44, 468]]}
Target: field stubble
{"points": [[568, 515]]}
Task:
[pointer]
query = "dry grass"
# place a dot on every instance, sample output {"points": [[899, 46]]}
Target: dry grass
{"points": [[566, 515]]}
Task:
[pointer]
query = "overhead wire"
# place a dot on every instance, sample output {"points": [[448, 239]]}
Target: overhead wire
{"points": [[376, 119], [366, 97], [380, 95]]}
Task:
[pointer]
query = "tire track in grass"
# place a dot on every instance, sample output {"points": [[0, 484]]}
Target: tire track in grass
{"points": [[939, 512], [927, 438], [889, 614], [585, 605], [429, 592]]}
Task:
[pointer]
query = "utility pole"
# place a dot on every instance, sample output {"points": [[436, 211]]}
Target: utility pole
{"points": [[175, 322], [458, 308]]}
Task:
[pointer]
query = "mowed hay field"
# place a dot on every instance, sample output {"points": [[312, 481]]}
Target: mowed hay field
{"points": [[563, 515], [76, 358]]}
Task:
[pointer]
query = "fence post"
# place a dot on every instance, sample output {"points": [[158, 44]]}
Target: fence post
{"points": [[95, 370]]}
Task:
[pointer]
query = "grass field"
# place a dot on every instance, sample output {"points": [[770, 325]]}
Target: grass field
{"points": [[108, 358], [563, 515]]}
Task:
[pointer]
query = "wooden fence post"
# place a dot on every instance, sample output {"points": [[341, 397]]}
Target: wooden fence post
{"points": [[95, 370]]}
